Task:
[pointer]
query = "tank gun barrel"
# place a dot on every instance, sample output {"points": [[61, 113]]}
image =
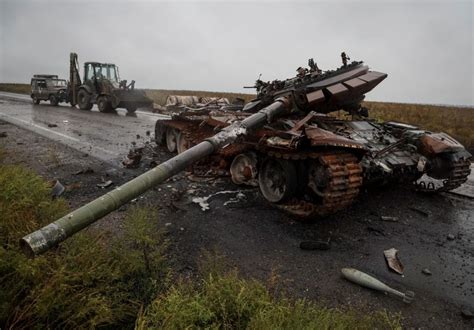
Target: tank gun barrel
{"points": [[43, 239]]}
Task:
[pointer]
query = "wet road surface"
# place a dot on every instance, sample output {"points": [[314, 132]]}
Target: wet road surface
{"points": [[106, 136], [269, 239]]}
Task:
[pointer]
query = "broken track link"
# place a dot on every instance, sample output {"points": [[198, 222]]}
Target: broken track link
{"points": [[345, 180], [459, 172]]}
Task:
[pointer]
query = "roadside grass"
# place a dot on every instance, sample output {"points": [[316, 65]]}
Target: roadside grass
{"points": [[90, 280], [15, 88], [226, 301], [456, 121]]}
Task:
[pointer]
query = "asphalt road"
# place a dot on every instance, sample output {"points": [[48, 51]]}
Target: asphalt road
{"points": [[259, 238]]}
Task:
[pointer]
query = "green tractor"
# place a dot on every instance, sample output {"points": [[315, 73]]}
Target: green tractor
{"points": [[102, 86]]}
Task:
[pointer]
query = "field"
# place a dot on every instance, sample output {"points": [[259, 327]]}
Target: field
{"points": [[456, 121]]}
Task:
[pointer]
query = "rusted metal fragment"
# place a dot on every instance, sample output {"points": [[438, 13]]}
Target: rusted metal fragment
{"points": [[436, 143], [321, 137], [394, 263]]}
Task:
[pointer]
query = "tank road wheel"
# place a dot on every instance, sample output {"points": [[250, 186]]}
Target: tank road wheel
{"points": [[36, 100], [182, 143], [277, 180], [53, 99], [244, 169], [84, 100], [103, 104], [171, 139]]}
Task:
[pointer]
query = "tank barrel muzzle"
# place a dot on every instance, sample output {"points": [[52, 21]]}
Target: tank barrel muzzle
{"points": [[49, 236]]}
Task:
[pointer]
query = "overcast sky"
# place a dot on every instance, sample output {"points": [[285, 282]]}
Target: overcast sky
{"points": [[426, 47]]}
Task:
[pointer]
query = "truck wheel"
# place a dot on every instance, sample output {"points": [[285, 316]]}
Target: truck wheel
{"points": [[36, 100], [53, 99], [131, 108], [103, 104], [84, 100]]}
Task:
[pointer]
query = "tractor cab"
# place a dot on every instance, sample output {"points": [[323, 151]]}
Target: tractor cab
{"points": [[95, 72]]}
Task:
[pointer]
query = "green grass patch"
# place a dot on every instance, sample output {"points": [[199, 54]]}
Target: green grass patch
{"points": [[90, 280], [226, 301]]}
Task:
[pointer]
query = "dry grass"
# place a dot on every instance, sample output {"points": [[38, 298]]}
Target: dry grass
{"points": [[15, 88], [456, 121]]}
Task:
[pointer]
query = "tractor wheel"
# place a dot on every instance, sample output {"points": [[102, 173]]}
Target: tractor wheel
{"points": [[36, 100], [53, 99], [84, 100], [103, 104]]}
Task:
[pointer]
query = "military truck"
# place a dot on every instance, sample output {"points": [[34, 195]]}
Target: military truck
{"points": [[48, 87], [102, 86]]}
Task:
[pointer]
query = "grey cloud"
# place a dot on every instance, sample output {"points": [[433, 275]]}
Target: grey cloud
{"points": [[425, 47]]}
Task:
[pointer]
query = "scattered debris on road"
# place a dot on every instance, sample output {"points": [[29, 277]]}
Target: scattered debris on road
{"points": [[105, 184], [58, 189], [316, 245], [52, 125], [450, 237], [467, 313], [377, 231], [87, 170], [133, 158], [204, 201], [419, 211], [365, 280], [394, 263], [426, 271], [65, 121], [387, 218], [3, 134]]}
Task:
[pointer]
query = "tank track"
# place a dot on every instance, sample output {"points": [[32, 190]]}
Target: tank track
{"points": [[345, 181], [459, 172]]}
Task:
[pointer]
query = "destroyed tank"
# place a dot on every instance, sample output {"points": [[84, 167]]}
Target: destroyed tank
{"points": [[312, 163], [304, 160]]}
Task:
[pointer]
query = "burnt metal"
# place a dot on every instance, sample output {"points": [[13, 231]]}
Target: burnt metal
{"points": [[305, 161]]}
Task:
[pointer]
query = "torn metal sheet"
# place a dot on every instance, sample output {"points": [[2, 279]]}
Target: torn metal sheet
{"points": [[58, 189], [394, 263]]}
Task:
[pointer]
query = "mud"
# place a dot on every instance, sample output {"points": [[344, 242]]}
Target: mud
{"points": [[258, 239]]}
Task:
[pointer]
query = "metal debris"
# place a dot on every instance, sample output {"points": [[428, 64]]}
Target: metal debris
{"points": [[394, 263], [426, 271], [315, 245], [450, 237], [87, 170], [204, 201], [3, 134], [133, 158], [467, 313], [105, 184], [58, 189], [365, 280], [387, 218], [419, 211]]}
